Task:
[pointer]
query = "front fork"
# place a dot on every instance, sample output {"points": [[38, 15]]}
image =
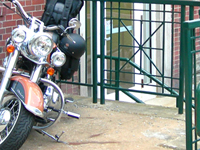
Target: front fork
{"points": [[12, 60], [4, 113]]}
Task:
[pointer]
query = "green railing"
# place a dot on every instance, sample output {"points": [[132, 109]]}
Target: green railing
{"points": [[146, 47], [192, 88], [122, 42]]}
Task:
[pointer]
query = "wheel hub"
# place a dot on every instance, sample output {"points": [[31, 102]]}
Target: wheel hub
{"points": [[5, 116]]}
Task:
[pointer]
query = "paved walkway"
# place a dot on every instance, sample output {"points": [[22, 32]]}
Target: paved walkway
{"points": [[114, 126]]}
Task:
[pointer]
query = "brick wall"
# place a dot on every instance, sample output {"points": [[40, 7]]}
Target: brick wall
{"points": [[176, 58], [9, 19]]}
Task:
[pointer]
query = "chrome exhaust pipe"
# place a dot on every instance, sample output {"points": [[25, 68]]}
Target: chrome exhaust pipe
{"points": [[69, 100], [71, 114]]}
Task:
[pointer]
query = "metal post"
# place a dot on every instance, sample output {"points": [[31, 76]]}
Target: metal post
{"points": [[188, 87], [94, 42], [182, 60], [117, 79], [102, 55]]}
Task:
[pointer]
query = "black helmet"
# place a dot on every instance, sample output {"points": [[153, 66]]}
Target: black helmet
{"points": [[73, 45]]}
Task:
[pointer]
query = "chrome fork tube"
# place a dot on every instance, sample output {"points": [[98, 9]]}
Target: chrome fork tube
{"points": [[8, 72], [36, 73]]}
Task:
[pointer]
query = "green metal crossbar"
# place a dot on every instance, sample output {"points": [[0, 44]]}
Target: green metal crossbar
{"points": [[143, 72]]}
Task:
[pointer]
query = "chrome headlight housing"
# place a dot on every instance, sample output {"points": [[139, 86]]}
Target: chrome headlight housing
{"points": [[18, 35], [40, 45], [58, 59]]}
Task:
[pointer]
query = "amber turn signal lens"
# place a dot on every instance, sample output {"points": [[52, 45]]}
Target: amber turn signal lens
{"points": [[50, 71], [10, 48]]}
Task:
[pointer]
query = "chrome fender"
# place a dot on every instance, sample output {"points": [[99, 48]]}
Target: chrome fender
{"points": [[29, 93]]}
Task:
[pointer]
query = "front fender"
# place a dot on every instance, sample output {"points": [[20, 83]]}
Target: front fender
{"points": [[29, 93]]}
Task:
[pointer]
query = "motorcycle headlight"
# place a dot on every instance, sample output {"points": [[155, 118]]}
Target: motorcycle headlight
{"points": [[58, 59], [40, 45], [18, 35]]}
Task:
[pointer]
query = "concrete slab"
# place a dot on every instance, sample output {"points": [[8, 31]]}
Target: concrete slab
{"points": [[115, 126], [162, 101]]}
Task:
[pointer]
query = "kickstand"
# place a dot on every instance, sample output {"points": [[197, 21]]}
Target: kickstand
{"points": [[55, 138]]}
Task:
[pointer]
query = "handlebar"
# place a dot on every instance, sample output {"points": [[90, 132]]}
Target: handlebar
{"points": [[51, 28], [29, 19], [20, 9]]}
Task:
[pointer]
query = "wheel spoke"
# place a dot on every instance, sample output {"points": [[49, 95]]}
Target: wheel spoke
{"points": [[9, 103], [13, 106]]}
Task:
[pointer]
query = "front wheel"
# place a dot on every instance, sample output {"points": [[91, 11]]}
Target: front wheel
{"points": [[19, 126]]}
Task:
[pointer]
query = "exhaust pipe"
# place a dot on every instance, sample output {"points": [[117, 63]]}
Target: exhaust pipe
{"points": [[71, 114]]}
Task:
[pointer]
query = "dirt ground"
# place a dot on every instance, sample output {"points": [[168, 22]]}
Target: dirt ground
{"points": [[113, 127]]}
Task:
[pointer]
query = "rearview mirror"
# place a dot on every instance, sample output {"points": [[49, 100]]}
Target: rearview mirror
{"points": [[74, 23]]}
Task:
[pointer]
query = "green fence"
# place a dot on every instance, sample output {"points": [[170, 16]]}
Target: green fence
{"points": [[142, 47], [192, 86]]}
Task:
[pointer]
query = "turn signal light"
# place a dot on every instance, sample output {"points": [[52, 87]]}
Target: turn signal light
{"points": [[10, 48], [50, 71]]}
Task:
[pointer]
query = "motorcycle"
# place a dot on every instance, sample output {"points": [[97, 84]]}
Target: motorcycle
{"points": [[29, 97]]}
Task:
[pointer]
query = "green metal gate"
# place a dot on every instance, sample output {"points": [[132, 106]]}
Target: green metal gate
{"points": [[158, 47]]}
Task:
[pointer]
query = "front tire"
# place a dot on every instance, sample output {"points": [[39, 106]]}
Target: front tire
{"points": [[19, 126]]}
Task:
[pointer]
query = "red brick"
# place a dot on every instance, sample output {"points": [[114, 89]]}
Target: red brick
{"points": [[2, 43], [28, 2], [8, 30], [38, 7], [2, 55], [2, 31], [16, 16], [9, 23], [38, 14], [19, 22], [22, 3], [8, 11], [2, 18], [69, 90], [29, 8], [5, 36], [35, 2], [9, 17]]}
